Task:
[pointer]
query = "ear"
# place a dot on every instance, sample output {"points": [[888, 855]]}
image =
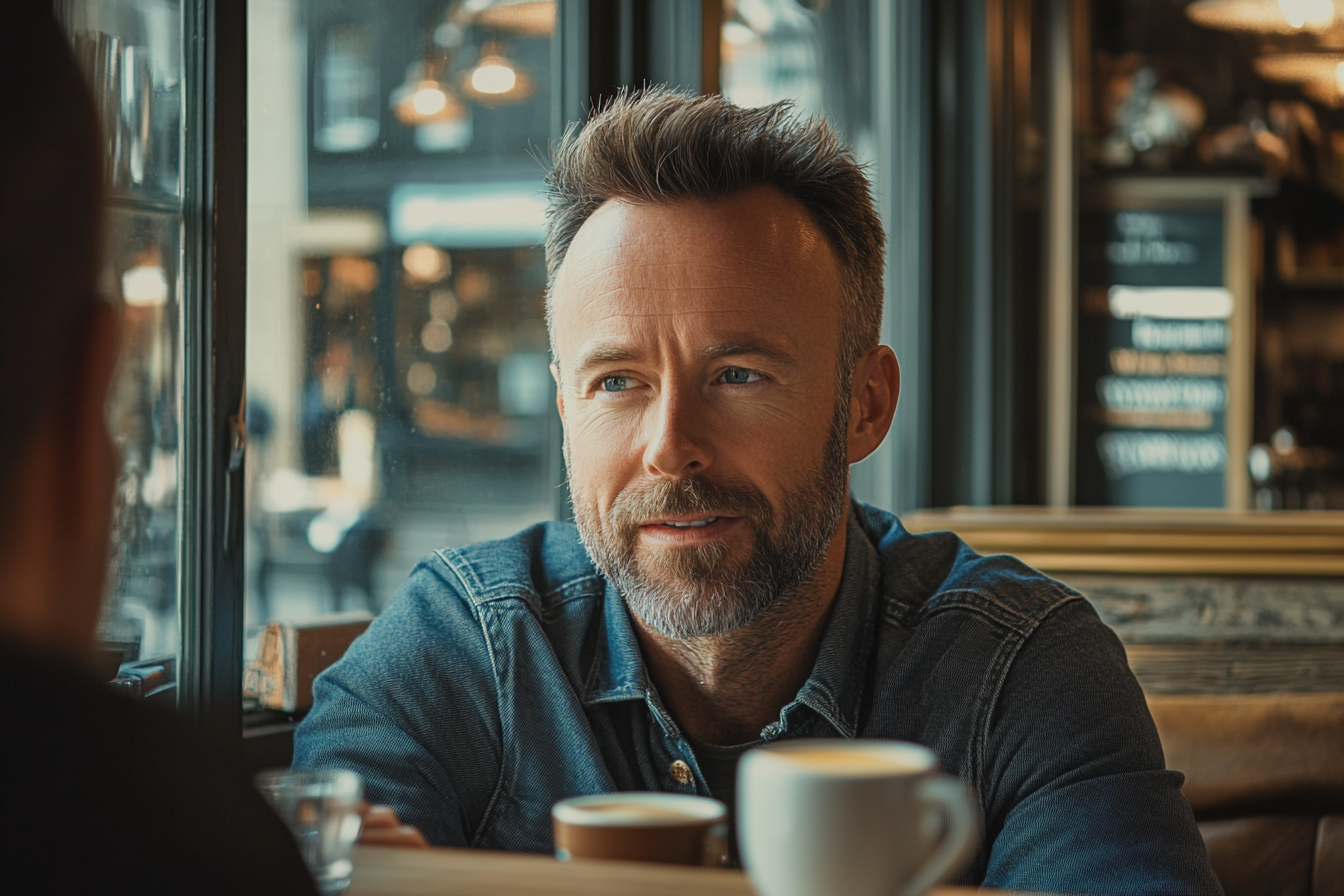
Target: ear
{"points": [[559, 390], [874, 391]]}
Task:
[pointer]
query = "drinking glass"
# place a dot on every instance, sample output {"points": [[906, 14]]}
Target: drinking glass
{"points": [[322, 810]]}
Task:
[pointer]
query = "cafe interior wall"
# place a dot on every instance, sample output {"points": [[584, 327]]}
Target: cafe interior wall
{"points": [[1150, 99]]}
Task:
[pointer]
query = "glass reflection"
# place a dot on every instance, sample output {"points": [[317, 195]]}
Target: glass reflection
{"points": [[131, 53], [813, 54], [144, 263]]}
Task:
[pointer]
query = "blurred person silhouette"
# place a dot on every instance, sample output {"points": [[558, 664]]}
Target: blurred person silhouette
{"points": [[102, 794]]}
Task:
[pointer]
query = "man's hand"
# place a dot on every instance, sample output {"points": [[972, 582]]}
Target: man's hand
{"points": [[383, 828]]}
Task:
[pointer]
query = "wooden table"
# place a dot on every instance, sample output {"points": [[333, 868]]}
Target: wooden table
{"points": [[384, 871]]}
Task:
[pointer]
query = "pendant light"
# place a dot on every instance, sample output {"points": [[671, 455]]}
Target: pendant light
{"points": [[424, 99], [1265, 16], [496, 79], [1320, 74]]}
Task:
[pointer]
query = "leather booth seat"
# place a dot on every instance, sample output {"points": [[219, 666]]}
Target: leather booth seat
{"points": [[1265, 777]]}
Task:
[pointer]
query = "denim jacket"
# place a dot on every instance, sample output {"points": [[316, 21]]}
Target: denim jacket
{"points": [[506, 676]]}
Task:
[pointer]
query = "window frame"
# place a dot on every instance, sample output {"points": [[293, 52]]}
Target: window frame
{"points": [[210, 515]]}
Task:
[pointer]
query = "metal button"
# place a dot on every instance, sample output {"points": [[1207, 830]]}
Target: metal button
{"points": [[681, 772]]}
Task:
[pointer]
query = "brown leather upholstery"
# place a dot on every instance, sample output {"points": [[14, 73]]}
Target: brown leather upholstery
{"points": [[1265, 777], [1240, 750], [1264, 856], [1328, 869]]}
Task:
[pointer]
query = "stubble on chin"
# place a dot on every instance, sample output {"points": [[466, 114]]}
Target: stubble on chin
{"points": [[704, 590]]}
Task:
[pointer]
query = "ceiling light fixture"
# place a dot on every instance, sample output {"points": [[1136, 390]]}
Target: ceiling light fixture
{"points": [[429, 98], [1263, 16], [1315, 15], [496, 79], [423, 99], [1320, 74]]}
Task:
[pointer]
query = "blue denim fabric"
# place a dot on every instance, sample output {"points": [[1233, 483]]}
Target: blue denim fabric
{"points": [[506, 676]]}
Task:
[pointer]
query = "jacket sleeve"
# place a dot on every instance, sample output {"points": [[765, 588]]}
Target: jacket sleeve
{"points": [[412, 707], [1081, 799]]}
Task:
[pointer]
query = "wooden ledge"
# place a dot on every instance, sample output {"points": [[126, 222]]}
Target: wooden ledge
{"points": [[1150, 541], [388, 871]]}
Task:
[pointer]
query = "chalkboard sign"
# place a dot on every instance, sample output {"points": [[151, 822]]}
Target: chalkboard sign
{"points": [[1153, 331]]}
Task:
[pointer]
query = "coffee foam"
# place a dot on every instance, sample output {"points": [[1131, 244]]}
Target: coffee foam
{"points": [[649, 810], [857, 762]]}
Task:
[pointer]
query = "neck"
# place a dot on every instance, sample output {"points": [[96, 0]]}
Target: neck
{"points": [[726, 688]]}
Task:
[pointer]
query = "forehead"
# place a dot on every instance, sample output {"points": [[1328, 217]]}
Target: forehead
{"points": [[751, 266]]}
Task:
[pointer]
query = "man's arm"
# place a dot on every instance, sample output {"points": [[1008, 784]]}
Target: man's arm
{"points": [[1080, 799], [413, 708]]}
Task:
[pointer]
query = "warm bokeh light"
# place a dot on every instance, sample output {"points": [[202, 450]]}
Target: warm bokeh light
{"points": [[425, 263], [421, 378], [429, 98], [1314, 14], [1263, 16], [493, 78], [1319, 74], [144, 286], [443, 305], [436, 337]]}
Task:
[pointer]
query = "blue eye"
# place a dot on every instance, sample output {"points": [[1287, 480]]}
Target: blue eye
{"points": [[615, 383], [740, 376]]}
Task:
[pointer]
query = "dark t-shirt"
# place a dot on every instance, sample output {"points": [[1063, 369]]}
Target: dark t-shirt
{"points": [[106, 795], [719, 767]]}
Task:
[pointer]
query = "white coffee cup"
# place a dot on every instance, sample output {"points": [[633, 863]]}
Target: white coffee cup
{"points": [[851, 817]]}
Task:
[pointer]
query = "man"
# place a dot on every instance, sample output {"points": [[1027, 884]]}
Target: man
{"points": [[714, 308], [101, 795]]}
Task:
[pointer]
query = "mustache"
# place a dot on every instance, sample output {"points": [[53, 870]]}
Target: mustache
{"points": [[662, 498]]}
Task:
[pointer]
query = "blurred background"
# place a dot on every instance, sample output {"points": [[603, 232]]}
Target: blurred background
{"points": [[1115, 263]]}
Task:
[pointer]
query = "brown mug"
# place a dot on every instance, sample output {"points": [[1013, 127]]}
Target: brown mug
{"points": [[673, 828]]}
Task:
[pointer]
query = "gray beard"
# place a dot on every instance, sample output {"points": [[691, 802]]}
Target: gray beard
{"points": [[698, 592]]}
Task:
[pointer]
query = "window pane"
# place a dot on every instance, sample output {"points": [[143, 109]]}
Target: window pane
{"points": [[130, 51], [770, 51], [399, 397], [145, 264]]}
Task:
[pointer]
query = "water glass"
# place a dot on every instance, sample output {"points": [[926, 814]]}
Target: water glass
{"points": [[322, 810]]}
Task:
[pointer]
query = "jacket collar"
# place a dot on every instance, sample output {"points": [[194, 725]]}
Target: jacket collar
{"points": [[835, 689], [618, 671]]}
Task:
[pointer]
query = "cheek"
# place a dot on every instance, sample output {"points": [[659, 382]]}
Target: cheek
{"points": [[602, 451], [785, 434]]}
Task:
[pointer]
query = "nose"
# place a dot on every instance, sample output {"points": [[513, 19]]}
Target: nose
{"points": [[679, 444]]}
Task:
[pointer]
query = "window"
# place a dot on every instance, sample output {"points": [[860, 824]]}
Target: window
{"points": [[131, 53], [399, 398]]}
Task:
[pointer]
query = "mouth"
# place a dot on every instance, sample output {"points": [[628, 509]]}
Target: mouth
{"points": [[689, 524], [688, 530]]}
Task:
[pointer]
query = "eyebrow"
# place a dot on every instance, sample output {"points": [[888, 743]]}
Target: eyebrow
{"points": [[615, 353], [603, 354], [747, 347]]}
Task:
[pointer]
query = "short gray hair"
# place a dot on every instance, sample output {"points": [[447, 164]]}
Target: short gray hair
{"points": [[660, 145]]}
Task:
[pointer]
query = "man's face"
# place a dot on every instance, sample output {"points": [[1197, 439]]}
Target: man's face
{"points": [[697, 363]]}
